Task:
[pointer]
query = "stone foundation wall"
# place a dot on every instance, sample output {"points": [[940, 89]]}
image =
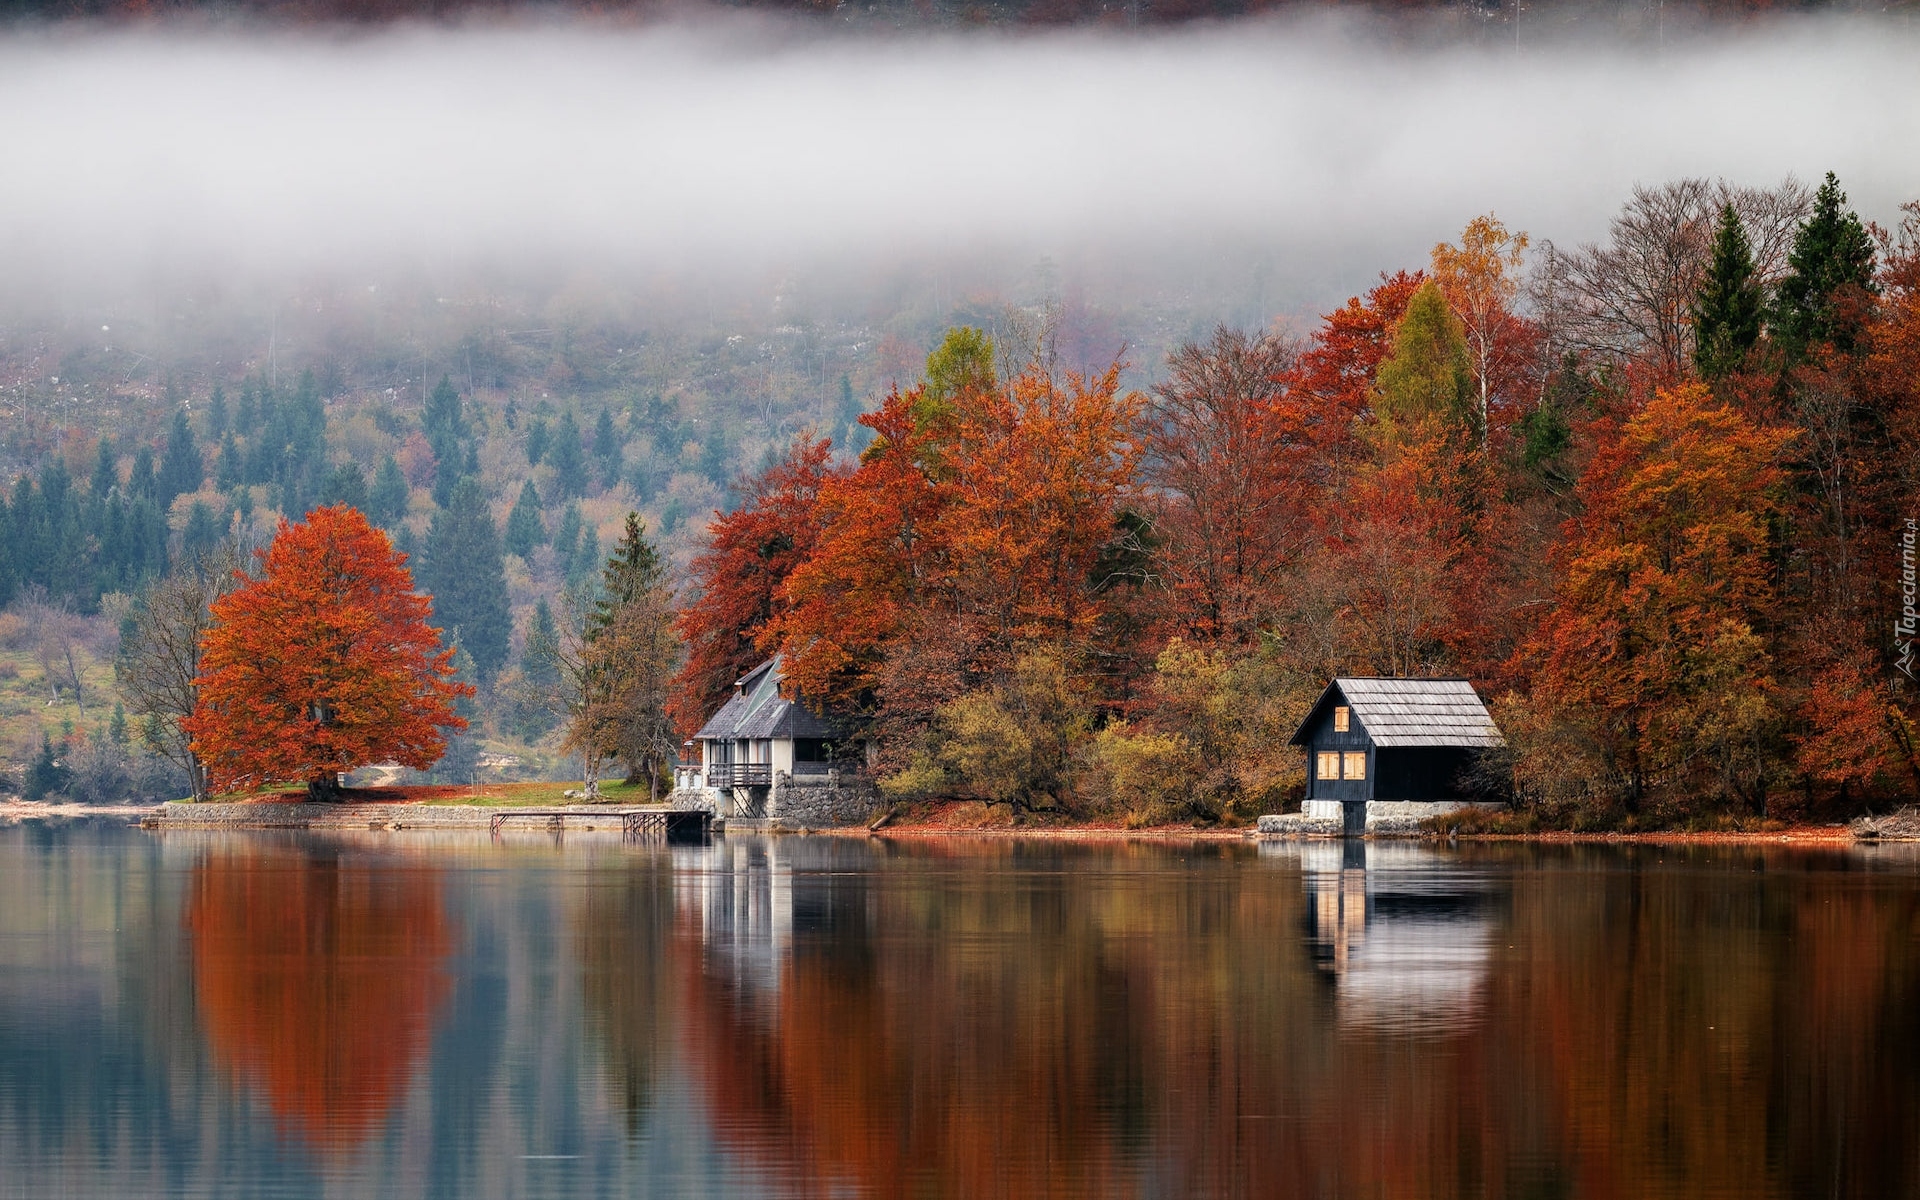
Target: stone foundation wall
{"points": [[1383, 816], [822, 801], [702, 799]]}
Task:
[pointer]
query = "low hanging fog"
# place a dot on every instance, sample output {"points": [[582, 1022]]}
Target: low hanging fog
{"points": [[1312, 155]]}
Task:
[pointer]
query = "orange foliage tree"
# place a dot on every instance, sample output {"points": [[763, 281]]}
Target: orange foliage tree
{"points": [[1655, 642], [750, 552], [323, 663], [972, 529]]}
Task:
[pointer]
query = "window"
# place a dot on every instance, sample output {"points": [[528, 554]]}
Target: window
{"points": [[1355, 762], [1329, 767], [1342, 719]]}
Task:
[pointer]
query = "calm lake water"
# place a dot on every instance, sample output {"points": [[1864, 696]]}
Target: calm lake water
{"points": [[259, 1015]]}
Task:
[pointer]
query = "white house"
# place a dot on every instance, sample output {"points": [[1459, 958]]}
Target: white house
{"points": [[761, 744]]}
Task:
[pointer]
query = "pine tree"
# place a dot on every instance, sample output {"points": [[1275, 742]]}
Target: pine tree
{"points": [[467, 579], [631, 573], [346, 485], [443, 419], [1727, 311], [106, 470], [525, 531], [538, 438], [203, 530], [567, 457], [217, 414], [566, 539], [228, 469], [533, 716], [629, 659], [1831, 253], [183, 469], [140, 481], [387, 500], [607, 450], [586, 559]]}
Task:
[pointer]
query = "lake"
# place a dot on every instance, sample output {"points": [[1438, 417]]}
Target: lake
{"points": [[257, 1015]]}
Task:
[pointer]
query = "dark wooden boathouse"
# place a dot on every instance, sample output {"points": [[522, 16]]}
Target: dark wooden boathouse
{"points": [[1408, 742]]}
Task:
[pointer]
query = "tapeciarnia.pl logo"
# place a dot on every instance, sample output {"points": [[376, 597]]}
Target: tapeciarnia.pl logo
{"points": [[1908, 622]]}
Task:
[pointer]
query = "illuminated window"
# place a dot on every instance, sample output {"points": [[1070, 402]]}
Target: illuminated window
{"points": [[1342, 719], [1329, 764], [1355, 764]]}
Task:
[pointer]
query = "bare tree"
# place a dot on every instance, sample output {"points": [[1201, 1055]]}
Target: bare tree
{"points": [[159, 663], [54, 632], [1632, 297]]}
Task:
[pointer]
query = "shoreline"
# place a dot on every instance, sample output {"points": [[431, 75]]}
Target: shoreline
{"points": [[402, 817]]}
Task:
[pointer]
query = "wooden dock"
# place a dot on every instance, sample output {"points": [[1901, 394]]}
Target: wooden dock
{"points": [[665, 823]]}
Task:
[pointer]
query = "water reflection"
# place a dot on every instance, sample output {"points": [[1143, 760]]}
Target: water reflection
{"points": [[1406, 936], [813, 1016], [318, 975]]}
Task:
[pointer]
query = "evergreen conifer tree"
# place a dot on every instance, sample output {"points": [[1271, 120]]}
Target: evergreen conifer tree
{"points": [[140, 482], [1728, 309], [387, 499], [607, 449], [586, 560], [1831, 252], [533, 716], [228, 468], [106, 470], [538, 437], [568, 459], [566, 539], [181, 470], [217, 414], [443, 419], [202, 533], [346, 484], [467, 578], [524, 528], [632, 573]]}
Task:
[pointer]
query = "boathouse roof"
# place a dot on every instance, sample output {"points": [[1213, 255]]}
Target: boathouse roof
{"points": [[757, 709], [1409, 712]]}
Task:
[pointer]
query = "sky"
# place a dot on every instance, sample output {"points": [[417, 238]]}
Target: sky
{"points": [[745, 144]]}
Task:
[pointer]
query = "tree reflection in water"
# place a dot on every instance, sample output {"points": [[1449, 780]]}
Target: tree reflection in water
{"points": [[319, 973], [999, 1019], [625, 984]]}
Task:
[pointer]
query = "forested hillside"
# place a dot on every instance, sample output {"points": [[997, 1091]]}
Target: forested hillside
{"points": [[1647, 493], [500, 436]]}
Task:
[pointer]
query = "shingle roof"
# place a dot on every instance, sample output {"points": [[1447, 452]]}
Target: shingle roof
{"points": [[758, 710], [1412, 712]]}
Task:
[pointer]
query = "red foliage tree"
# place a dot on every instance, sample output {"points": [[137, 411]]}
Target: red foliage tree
{"points": [[750, 552], [1231, 452], [322, 664]]}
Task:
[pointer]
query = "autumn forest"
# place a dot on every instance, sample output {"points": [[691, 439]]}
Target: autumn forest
{"points": [[1648, 495]]}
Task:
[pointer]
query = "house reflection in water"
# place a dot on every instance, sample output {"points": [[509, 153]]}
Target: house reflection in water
{"points": [[1405, 933], [738, 893]]}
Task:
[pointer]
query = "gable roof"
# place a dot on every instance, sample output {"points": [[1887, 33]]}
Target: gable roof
{"points": [[758, 710], [1410, 712]]}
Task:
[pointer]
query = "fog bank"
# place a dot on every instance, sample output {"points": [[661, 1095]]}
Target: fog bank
{"points": [[741, 145]]}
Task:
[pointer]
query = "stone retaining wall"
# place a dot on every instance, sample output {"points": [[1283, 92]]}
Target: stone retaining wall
{"points": [[822, 801], [181, 815]]}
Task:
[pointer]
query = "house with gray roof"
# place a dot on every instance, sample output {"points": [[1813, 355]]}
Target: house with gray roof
{"points": [[763, 744], [1399, 748]]}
